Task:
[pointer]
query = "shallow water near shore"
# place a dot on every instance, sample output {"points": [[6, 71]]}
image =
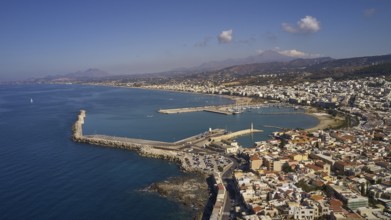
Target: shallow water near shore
{"points": [[144, 122], [44, 175]]}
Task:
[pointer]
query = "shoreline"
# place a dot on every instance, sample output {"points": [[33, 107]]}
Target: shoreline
{"points": [[236, 99], [192, 190], [325, 120]]}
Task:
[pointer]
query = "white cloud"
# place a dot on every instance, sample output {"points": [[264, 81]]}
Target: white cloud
{"points": [[369, 12], [293, 53], [298, 53], [308, 24], [225, 36]]}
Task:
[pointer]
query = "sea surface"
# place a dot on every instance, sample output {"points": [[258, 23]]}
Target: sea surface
{"points": [[44, 175]]}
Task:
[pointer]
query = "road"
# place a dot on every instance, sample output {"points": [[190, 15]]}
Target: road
{"points": [[230, 186]]}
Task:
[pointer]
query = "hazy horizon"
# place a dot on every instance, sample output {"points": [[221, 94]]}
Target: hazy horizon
{"points": [[42, 38]]}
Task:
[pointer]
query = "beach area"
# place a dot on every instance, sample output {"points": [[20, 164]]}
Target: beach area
{"points": [[326, 121]]}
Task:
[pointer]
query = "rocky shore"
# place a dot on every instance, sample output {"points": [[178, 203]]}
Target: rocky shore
{"points": [[190, 190]]}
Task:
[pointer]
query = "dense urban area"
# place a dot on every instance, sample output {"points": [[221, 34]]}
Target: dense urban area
{"points": [[299, 174], [339, 169]]}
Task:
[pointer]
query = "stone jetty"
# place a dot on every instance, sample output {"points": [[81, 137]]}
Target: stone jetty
{"points": [[173, 151], [146, 148], [204, 162]]}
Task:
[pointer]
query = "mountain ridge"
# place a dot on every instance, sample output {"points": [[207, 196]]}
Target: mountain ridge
{"points": [[264, 57]]}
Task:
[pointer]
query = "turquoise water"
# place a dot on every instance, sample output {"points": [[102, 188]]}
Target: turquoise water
{"points": [[44, 175], [140, 119]]}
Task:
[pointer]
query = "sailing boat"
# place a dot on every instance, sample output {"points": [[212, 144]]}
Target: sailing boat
{"points": [[31, 100]]}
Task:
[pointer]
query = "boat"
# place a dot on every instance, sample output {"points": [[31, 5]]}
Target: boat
{"points": [[31, 100]]}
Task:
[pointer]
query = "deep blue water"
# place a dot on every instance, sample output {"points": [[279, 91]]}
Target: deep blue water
{"points": [[44, 175]]}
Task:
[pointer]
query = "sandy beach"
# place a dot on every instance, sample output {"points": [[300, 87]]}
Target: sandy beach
{"points": [[325, 120]]}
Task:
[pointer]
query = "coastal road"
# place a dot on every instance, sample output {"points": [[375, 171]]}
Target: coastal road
{"points": [[229, 185]]}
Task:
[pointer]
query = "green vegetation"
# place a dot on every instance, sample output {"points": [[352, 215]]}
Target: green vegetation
{"points": [[220, 168], [375, 70], [306, 187], [286, 168]]}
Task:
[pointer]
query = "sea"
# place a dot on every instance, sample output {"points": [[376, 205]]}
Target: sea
{"points": [[45, 175]]}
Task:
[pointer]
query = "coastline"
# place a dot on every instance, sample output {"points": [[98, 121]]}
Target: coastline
{"points": [[188, 190], [325, 121], [176, 190], [236, 99]]}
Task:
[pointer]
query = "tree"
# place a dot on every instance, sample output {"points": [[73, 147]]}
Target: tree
{"points": [[286, 168], [282, 143]]}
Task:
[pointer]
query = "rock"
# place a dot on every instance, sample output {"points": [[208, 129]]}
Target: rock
{"points": [[190, 190]]}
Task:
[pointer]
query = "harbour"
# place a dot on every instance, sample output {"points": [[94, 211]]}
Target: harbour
{"points": [[197, 141], [79, 171], [188, 153]]}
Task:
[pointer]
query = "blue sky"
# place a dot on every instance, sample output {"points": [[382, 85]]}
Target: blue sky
{"points": [[39, 38]]}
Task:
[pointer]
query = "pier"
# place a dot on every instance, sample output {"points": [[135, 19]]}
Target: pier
{"points": [[231, 109], [142, 144], [236, 134], [214, 109], [178, 152]]}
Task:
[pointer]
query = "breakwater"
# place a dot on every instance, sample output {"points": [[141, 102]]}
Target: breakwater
{"points": [[219, 109], [175, 151], [178, 152], [236, 134], [138, 145], [214, 109], [147, 148]]}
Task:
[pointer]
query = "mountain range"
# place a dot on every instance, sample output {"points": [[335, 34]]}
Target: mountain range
{"points": [[268, 62], [264, 57], [89, 74]]}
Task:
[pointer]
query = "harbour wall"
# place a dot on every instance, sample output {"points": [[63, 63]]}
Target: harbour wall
{"points": [[149, 148], [236, 134], [159, 150]]}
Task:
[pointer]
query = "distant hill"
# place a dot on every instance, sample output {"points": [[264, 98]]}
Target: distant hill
{"points": [[265, 57], [274, 67], [350, 67], [287, 68], [297, 70], [89, 74]]}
